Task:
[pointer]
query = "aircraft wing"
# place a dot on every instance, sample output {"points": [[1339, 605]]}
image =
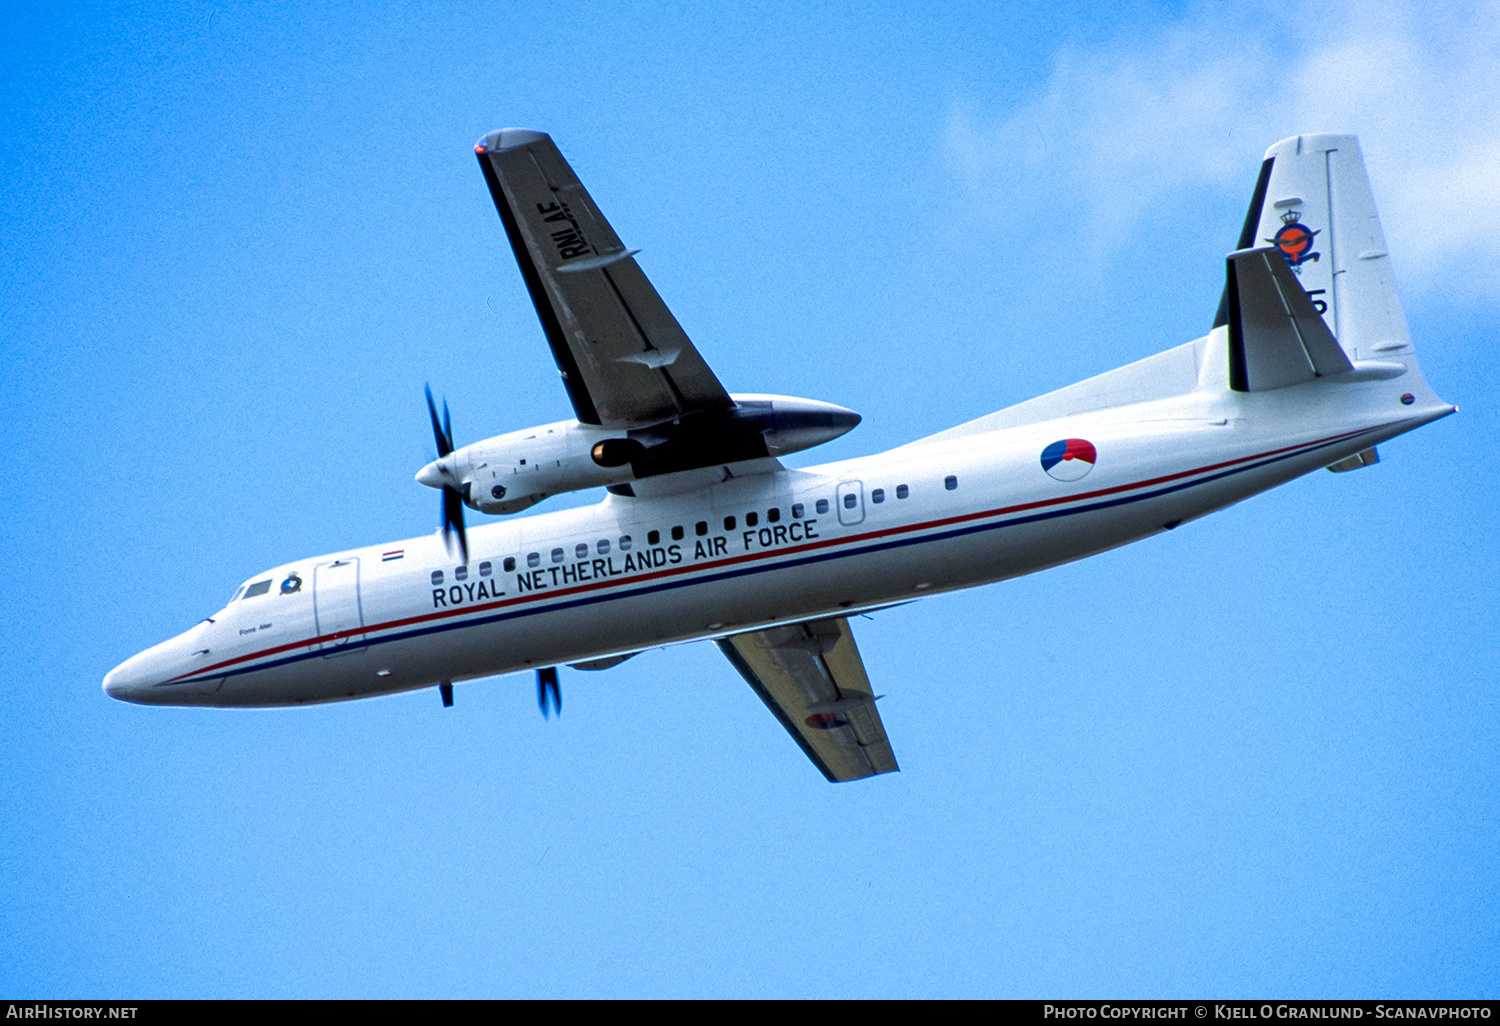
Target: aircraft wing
{"points": [[811, 676], [624, 359]]}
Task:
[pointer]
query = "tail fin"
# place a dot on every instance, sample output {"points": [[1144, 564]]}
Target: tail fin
{"points": [[1313, 203]]}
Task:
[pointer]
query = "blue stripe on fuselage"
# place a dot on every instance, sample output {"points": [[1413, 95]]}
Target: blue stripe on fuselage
{"points": [[858, 549]]}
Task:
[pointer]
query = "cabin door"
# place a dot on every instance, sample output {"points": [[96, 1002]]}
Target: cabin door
{"points": [[336, 604]]}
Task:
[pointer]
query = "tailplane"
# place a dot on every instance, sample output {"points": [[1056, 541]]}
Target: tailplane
{"points": [[1275, 334], [1308, 295]]}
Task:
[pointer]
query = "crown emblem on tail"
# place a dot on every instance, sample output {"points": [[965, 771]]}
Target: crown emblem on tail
{"points": [[1294, 240]]}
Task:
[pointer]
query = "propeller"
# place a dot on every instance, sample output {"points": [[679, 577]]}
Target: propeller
{"points": [[453, 498], [546, 683]]}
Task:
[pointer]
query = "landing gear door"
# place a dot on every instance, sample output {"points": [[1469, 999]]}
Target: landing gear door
{"points": [[851, 497], [336, 604]]}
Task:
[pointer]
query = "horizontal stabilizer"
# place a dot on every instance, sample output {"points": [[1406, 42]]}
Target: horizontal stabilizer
{"points": [[1277, 337], [1365, 458]]}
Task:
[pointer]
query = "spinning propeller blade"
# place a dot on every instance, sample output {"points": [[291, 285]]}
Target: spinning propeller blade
{"points": [[546, 684], [453, 499]]}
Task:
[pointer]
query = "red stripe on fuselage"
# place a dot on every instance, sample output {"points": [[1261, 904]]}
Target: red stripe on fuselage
{"points": [[752, 556]]}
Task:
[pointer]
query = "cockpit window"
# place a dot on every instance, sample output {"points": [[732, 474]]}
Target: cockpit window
{"points": [[258, 588], [236, 594]]}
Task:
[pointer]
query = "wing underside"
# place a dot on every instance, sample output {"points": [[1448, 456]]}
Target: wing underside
{"points": [[811, 677], [625, 360]]}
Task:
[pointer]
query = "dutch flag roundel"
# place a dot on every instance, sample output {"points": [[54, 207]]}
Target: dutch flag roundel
{"points": [[1069, 459]]}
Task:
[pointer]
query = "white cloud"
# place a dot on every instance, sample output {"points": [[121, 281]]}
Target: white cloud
{"points": [[1122, 127]]}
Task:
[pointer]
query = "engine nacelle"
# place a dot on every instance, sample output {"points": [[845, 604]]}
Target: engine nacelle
{"points": [[510, 472]]}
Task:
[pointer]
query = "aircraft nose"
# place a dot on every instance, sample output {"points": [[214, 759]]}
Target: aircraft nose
{"points": [[123, 681], [167, 674]]}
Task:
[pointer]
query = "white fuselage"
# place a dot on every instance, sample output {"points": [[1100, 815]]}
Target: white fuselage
{"points": [[587, 584]]}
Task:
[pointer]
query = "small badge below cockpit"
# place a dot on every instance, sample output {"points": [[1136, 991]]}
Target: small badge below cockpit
{"points": [[292, 584]]}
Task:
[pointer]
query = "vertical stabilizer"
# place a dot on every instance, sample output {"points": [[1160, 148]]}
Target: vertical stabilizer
{"points": [[1318, 212]]}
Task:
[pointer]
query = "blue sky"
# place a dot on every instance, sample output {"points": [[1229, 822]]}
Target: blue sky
{"points": [[1255, 756]]}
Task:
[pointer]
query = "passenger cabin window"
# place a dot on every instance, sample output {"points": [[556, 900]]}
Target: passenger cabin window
{"points": [[437, 577], [822, 506], [798, 510], [652, 537], [603, 546], [773, 515], [851, 500], [729, 523], [751, 519], [510, 563], [258, 588], [533, 559], [878, 495], [902, 491], [558, 555], [461, 573], [701, 528], [581, 550], [485, 569], [950, 482], [677, 533], [625, 543]]}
